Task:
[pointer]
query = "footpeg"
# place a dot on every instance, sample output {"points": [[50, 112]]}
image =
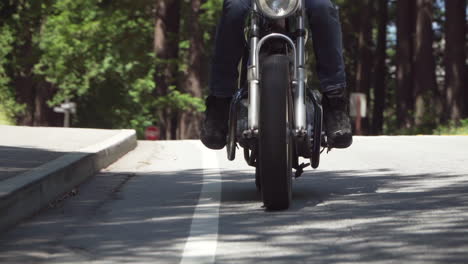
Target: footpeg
{"points": [[300, 170]]}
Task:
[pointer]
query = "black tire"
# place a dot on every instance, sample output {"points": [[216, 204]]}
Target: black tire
{"points": [[275, 140]]}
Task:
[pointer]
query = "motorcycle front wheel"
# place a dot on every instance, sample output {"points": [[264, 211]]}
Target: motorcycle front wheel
{"points": [[274, 163]]}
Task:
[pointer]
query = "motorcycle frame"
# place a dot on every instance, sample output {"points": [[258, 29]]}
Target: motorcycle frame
{"points": [[299, 76]]}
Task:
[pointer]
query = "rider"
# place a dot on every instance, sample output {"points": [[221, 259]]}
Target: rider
{"points": [[229, 46]]}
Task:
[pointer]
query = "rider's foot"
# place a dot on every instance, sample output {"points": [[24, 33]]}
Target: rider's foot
{"points": [[215, 126], [336, 119]]}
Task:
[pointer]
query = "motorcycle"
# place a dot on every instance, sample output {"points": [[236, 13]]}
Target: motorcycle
{"points": [[273, 117]]}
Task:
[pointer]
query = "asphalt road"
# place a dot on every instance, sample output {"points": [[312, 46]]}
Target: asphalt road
{"points": [[384, 200]]}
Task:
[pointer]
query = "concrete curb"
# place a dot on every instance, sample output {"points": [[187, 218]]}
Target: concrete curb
{"points": [[23, 195]]}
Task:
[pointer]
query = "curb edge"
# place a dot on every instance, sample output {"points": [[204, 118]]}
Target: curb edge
{"points": [[27, 193]]}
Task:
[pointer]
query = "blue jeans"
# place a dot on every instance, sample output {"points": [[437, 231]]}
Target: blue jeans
{"points": [[229, 46]]}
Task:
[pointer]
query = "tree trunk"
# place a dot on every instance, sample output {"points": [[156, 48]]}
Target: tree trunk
{"points": [[455, 69], [424, 63], [44, 115], [31, 90], [25, 94], [350, 16], [380, 69], [364, 62], [404, 59], [35, 94], [189, 123], [166, 48], [364, 50]]}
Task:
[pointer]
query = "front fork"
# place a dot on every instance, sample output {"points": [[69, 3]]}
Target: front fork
{"points": [[299, 76], [252, 76]]}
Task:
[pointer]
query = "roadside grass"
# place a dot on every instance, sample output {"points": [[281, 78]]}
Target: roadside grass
{"points": [[4, 120], [453, 129]]}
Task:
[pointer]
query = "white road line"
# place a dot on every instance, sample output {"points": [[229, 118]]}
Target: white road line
{"points": [[202, 242]]}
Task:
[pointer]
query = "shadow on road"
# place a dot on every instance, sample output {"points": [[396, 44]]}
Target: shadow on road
{"points": [[368, 216]]}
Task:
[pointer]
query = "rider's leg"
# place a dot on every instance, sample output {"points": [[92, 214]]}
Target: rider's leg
{"points": [[326, 35], [229, 47]]}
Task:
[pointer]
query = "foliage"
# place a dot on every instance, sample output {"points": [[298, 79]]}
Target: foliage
{"points": [[83, 45], [453, 128], [210, 16], [100, 54], [9, 107], [4, 120]]}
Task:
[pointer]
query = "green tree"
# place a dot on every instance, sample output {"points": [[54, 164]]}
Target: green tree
{"points": [[30, 91], [8, 104], [98, 53]]}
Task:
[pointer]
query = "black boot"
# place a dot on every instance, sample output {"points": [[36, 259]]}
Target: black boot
{"points": [[336, 119], [215, 126]]}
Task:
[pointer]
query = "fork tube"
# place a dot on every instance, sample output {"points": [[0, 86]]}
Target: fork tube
{"points": [[253, 79], [299, 97]]}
